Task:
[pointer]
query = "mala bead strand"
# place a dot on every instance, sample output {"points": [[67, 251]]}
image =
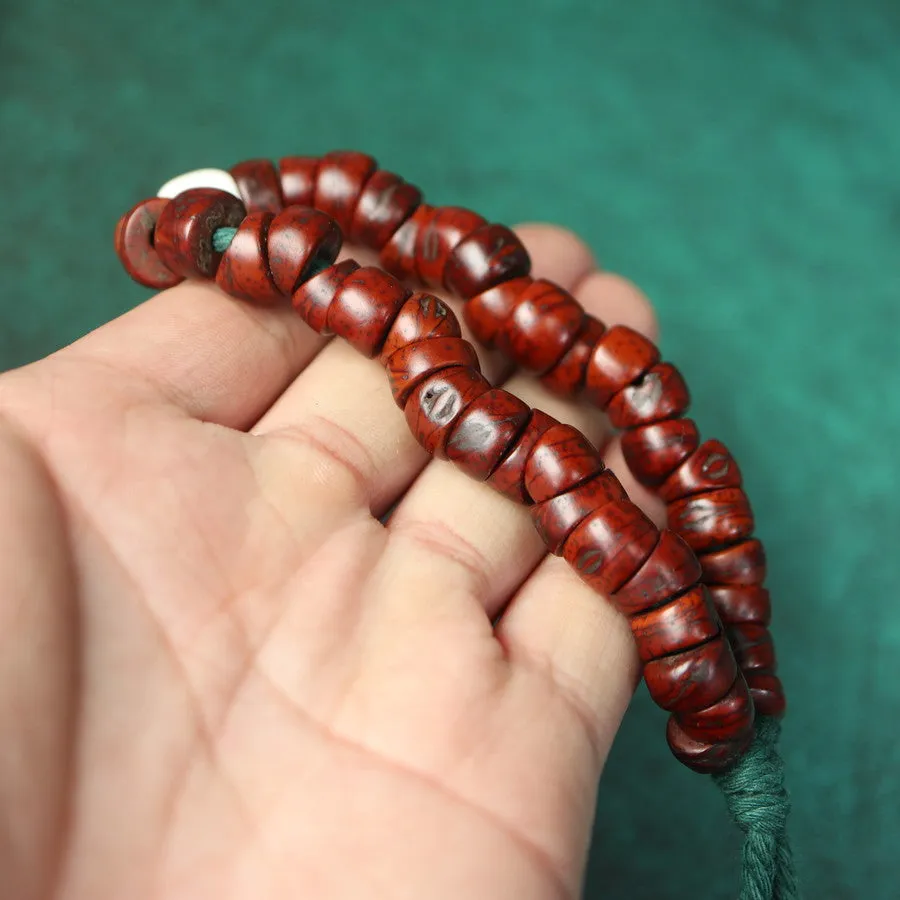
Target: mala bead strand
{"points": [[259, 184]]}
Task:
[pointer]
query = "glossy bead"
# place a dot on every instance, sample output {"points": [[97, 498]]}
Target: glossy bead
{"points": [[620, 357], [767, 693], [693, 679], [727, 719], [658, 394], [411, 364], [709, 521], [653, 452], [486, 313], [364, 308], [184, 230], [742, 603], [314, 297], [753, 647], [301, 242], [685, 622], [709, 467], [385, 203], [744, 563], [705, 756], [484, 433], [444, 228], [509, 476], [244, 270], [421, 316], [398, 255], [490, 255], [542, 326], [436, 404], [567, 377], [561, 459], [669, 570], [259, 184], [341, 177], [610, 545], [298, 179], [134, 246], [217, 179], [556, 517]]}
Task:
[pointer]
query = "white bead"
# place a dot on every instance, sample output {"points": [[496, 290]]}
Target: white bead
{"points": [[200, 178]]}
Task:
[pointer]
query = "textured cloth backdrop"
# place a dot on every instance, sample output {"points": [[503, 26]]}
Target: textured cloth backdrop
{"points": [[738, 160]]}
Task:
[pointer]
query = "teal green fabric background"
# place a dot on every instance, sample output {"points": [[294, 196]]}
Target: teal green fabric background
{"points": [[739, 160]]}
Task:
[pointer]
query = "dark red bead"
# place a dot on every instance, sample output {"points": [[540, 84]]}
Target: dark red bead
{"points": [[753, 647], [670, 569], [314, 297], [301, 242], [444, 228], [486, 313], [398, 255], [620, 357], [556, 517], [742, 603], [259, 184], [134, 245], [610, 545], [298, 180], [543, 325], [728, 719], [385, 203], [436, 404], [685, 622], [710, 521], [567, 377], [693, 679], [658, 394], [490, 255], [767, 693], [411, 364], [421, 316], [340, 180], [653, 452], [509, 476], [744, 563], [705, 756], [709, 467], [244, 270], [364, 308], [184, 230], [485, 432], [561, 459]]}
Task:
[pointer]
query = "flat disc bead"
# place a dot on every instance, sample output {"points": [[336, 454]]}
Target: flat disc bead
{"points": [[685, 622], [364, 308], [542, 326], [709, 521], [620, 357], [486, 313], [422, 316], [744, 563], [653, 452], [709, 467], [490, 255], [693, 679], [610, 545], [509, 476], [702, 756], [436, 404], [659, 393], [184, 230], [340, 179], [385, 203], [445, 227], [259, 184], [730, 718], [398, 255], [742, 603], [244, 270], [411, 364], [567, 377], [562, 458], [753, 647], [134, 245], [314, 297], [767, 693], [669, 570], [556, 517], [297, 175], [486, 430], [301, 242]]}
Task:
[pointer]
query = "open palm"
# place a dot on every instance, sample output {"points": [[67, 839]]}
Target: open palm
{"points": [[221, 676]]}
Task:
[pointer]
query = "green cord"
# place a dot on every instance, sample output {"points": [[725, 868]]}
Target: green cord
{"points": [[222, 238]]}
